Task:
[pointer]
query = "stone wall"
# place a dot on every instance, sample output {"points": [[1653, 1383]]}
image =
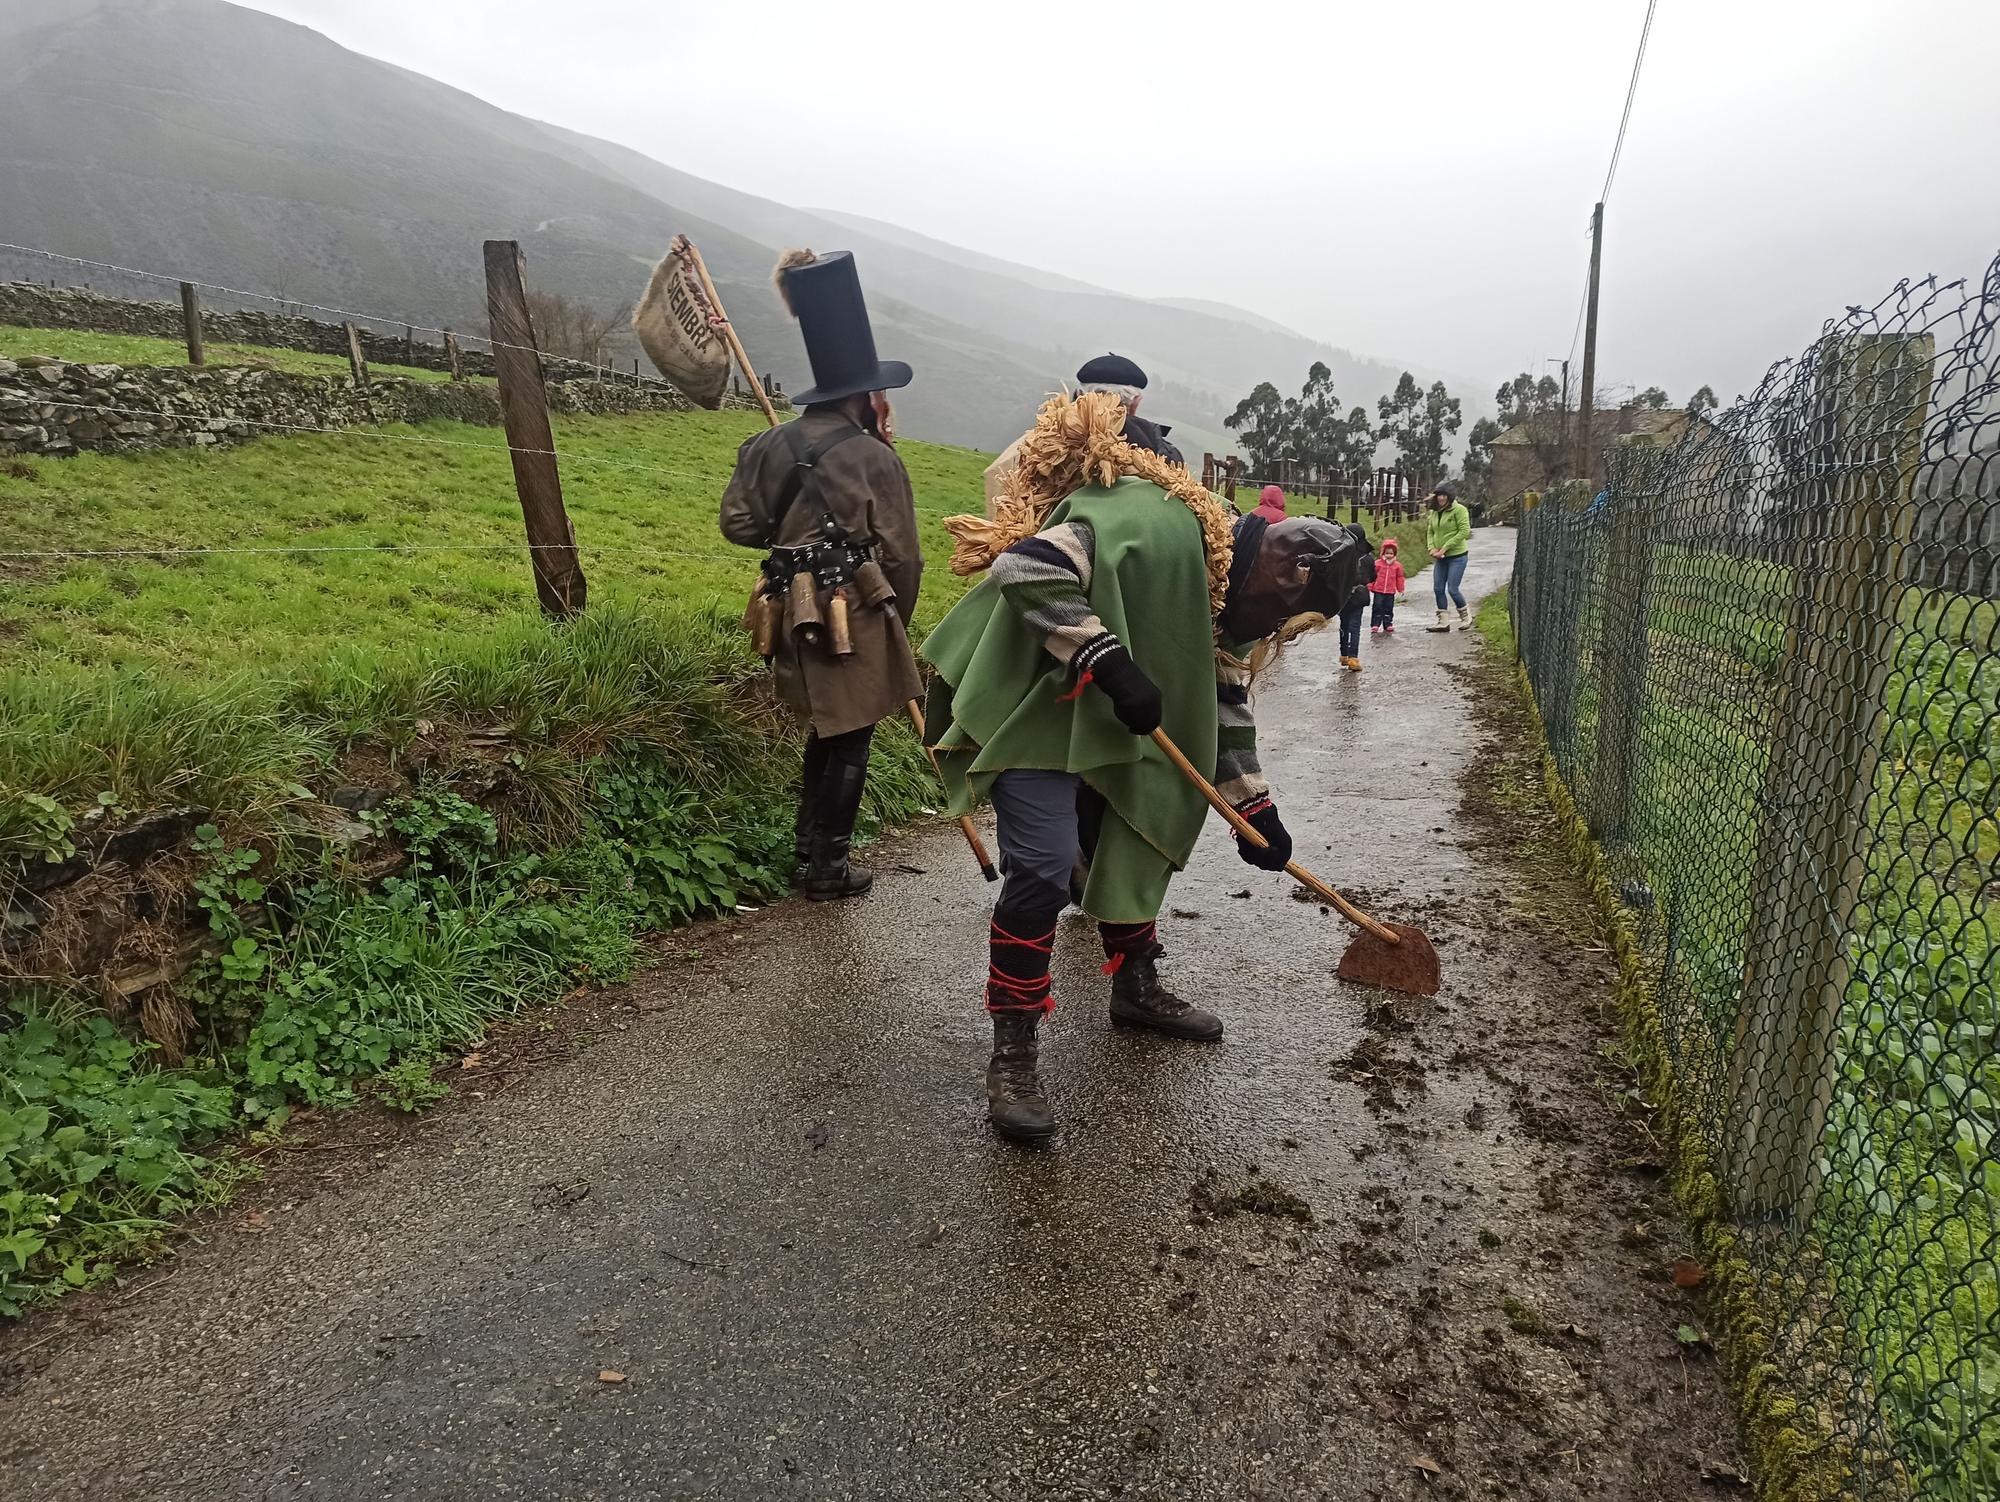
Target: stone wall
{"points": [[57, 408], [36, 306]]}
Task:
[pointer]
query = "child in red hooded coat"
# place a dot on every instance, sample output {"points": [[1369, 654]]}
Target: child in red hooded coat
{"points": [[1386, 589]]}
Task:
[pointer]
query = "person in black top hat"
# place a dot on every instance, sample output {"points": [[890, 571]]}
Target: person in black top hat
{"points": [[828, 496]]}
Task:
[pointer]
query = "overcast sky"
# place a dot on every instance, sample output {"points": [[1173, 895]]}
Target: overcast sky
{"points": [[1411, 178]]}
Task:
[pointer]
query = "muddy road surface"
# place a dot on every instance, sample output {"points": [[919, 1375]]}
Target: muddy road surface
{"points": [[741, 1232]]}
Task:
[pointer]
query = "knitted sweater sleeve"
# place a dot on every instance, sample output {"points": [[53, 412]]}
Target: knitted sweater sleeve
{"points": [[1239, 776], [1046, 580]]}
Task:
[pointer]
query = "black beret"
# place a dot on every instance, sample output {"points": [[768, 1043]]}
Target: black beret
{"points": [[1111, 370]]}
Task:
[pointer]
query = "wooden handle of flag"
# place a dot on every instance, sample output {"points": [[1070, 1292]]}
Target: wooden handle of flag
{"points": [[729, 333]]}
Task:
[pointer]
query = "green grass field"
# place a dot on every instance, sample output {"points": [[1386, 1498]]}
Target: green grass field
{"points": [[641, 490], [85, 348]]}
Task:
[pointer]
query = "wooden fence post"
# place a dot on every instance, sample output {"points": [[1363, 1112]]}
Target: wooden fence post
{"points": [[1229, 486], [191, 320], [559, 581], [409, 345], [356, 361], [1856, 469], [454, 361]]}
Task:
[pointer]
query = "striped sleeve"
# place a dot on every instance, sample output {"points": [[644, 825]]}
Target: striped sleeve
{"points": [[1046, 579], [1239, 776]]}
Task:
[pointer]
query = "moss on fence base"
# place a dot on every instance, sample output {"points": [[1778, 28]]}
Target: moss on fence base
{"points": [[1796, 1455]]}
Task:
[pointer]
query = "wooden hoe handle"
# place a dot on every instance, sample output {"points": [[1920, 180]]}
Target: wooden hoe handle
{"points": [[966, 827], [1245, 830]]}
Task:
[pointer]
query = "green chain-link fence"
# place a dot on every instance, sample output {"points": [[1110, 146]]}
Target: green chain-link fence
{"points": [[1767, 657]]}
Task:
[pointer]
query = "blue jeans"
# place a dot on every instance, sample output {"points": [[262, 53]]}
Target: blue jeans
{"points": [[1350, 629], [1446, 574]]}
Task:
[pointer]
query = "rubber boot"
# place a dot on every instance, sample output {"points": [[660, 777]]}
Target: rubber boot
{"points": [[1014, 1100], [1465, 618], [1443, 623], [1139, 1000], [830, 876]]}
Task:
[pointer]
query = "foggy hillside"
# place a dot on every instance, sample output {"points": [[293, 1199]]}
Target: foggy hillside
{"points": [[199, 138]]}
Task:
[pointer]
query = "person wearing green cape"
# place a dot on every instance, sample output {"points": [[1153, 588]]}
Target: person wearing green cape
{"points": [[1120, 597]]}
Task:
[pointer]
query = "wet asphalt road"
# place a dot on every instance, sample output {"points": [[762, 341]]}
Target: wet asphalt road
{"points": [[764, 1194]]}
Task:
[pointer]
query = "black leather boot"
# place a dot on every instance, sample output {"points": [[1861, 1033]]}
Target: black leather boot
{"points": [[1014, 1100], [806, 824], [829, 876], [1139, 1000]]}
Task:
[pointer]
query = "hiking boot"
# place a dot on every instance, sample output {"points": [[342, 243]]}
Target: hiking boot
{"points": [[829, 876], [1139, 1000], [1443, 624], [1353, 664], [1464, 618], [1014, 1100]]}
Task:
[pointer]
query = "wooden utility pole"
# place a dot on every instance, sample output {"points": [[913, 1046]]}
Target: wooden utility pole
{"points": [[1586, 397], [191, 318], [452, 358], [1562, 424], [524, 408], [356, 361]]}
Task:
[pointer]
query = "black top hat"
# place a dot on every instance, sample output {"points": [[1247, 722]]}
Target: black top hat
{"points": [[825, 296]]}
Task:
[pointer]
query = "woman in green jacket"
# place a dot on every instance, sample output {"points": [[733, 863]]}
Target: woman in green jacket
{"points": [[1447, 530]]}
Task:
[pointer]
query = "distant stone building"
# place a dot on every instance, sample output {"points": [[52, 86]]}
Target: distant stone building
{"points": [[1530, 456]]}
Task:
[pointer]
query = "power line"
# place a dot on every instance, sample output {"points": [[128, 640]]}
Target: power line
{"points": [[1631, 91]]}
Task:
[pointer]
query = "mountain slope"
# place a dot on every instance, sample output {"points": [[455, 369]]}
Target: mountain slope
{"points": [[199, 138]]}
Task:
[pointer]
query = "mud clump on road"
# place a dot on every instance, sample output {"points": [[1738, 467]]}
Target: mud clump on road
{"points": [[1381, 1072], [1260, 1196]]}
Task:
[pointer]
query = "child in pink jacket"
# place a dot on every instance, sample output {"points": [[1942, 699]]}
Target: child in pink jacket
{"points": [[1387, 589]]}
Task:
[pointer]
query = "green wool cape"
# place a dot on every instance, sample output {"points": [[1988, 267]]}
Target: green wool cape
{"points": [[1000, 702]]}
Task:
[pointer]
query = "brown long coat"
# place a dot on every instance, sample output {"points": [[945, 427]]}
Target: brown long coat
{"points": [[867, 490]]}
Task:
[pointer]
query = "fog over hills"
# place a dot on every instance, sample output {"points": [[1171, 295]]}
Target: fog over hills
{"points": [[222, 144]]}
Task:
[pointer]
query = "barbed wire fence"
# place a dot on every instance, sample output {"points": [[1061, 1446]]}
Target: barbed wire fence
{"points": [[1768, 666], [575, 462]]}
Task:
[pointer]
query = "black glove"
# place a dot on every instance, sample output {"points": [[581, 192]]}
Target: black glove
{"points": [[1262, 815], [1134, 697]]}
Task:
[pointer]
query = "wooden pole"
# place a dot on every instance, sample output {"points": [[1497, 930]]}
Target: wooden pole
{"points": [[356, 361], [409, 345], [191, 319], [729, 334], [1585, 461], [1852, 486], [453, 358], [524, 407]]}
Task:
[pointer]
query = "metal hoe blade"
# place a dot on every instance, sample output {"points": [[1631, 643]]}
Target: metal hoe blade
{"points": [[1410, 966]]}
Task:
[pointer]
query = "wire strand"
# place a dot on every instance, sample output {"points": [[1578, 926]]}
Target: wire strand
{"points": [[460, 443], [283, 302], [1631, 92], [424, 547]]}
